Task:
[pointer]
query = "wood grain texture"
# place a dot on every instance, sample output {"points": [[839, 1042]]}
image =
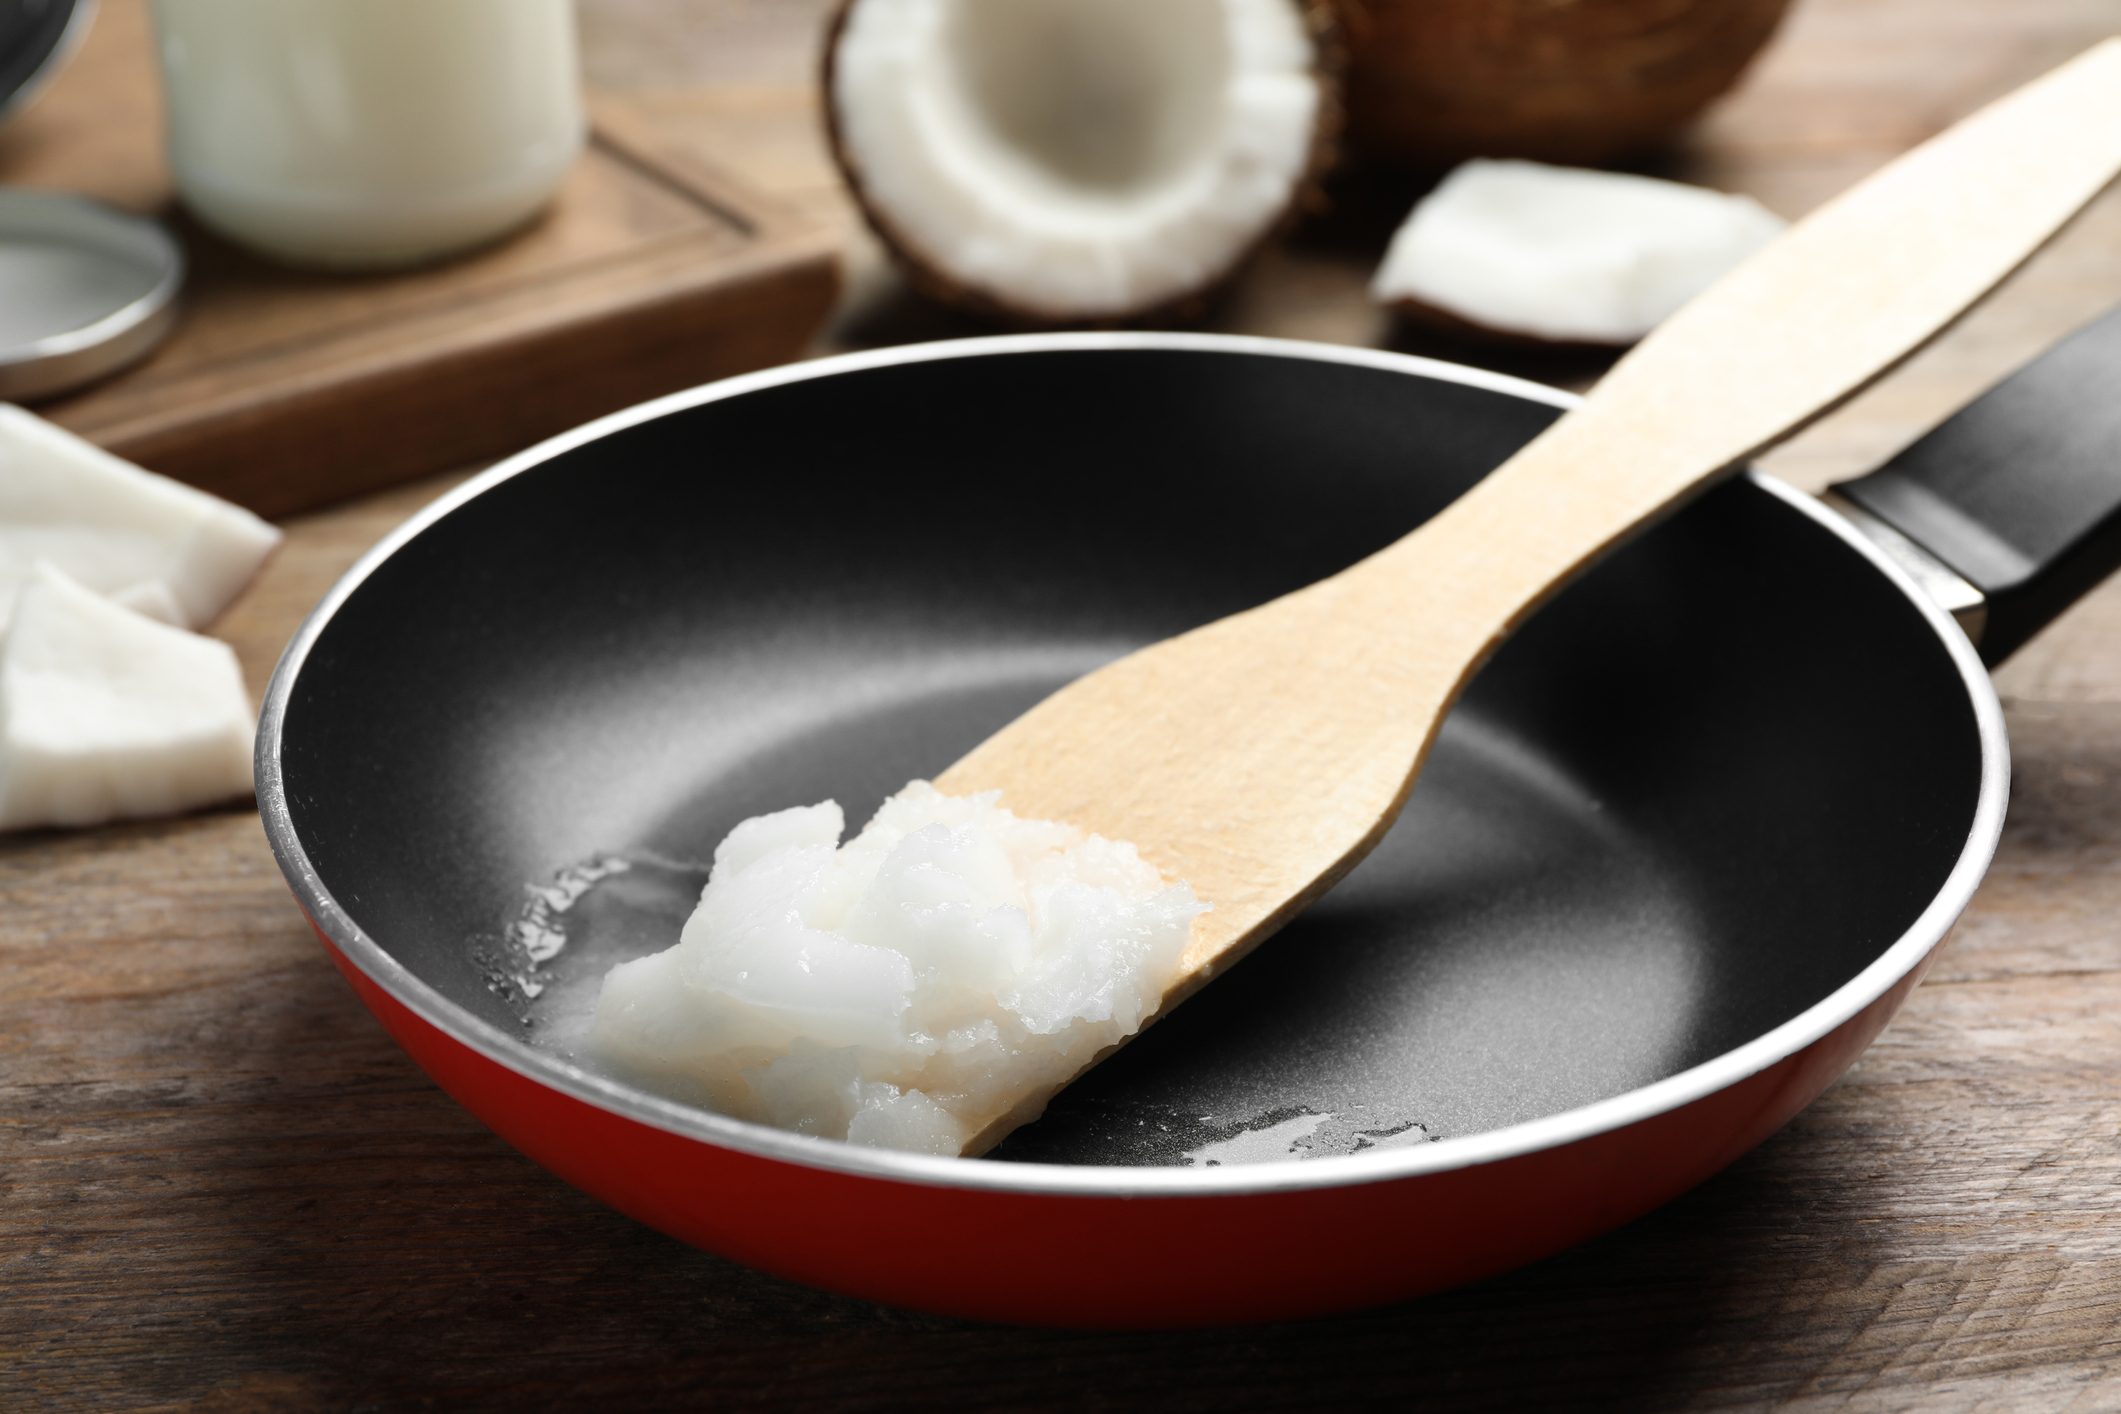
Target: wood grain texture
{"points": [[222, 1186], [284, 389]]}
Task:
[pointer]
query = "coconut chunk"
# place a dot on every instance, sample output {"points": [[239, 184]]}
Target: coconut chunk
{"points": [[1068, 160], [106, 714], [1564, 255], [116, 528], [151, 598]]}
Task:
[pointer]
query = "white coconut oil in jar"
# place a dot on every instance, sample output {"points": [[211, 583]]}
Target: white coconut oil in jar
{"points": [[369, 133]]}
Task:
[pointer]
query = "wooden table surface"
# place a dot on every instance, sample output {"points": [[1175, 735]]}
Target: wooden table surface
{"points": [[221, 1184]]}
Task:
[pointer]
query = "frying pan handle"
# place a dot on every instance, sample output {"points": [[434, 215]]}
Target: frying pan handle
{"points": [[2019, 493]]}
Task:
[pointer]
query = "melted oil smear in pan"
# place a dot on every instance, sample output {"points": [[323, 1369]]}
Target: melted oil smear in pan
{"points": [[549, 961]]}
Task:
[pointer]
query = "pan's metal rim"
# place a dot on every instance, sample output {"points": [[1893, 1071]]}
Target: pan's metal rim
{"points": [[1553, 1131], [71, 34]]}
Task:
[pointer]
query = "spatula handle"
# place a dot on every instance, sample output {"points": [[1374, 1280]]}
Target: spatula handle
{"points": [[1839, 299]]}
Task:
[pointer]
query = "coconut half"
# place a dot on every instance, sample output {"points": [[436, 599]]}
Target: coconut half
{"points": [[1078, 161], [1583, 81], [1564, 256]]}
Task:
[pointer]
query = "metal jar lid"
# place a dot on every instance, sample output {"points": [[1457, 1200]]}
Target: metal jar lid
{"points": [[84, 290]]}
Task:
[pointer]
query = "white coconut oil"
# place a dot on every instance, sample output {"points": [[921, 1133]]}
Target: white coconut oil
{"points": [[368, 133], [905, 988]]}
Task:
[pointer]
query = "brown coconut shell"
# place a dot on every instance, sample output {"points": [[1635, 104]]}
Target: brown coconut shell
{"points": [[1432, 82], [921, 270]]}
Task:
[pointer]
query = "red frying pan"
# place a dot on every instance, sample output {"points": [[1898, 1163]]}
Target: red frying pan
{"points": [[1681, 852]]}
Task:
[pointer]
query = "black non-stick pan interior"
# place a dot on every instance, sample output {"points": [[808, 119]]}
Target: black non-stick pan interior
{"points": [[1701, 790]]}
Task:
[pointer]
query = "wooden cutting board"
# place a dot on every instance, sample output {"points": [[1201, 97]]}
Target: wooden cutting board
{"points": [[284, 389]]}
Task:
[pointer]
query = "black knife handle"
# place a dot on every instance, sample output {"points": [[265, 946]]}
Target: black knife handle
{"points": [[2020, 491]]}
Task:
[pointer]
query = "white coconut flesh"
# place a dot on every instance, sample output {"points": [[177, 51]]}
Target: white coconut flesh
{"points": [[151, 599], [902, 990], [1076, 158], [106, 714], [1567, 255], [116, 528]]}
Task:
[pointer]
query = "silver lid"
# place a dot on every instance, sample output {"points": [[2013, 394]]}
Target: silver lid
{"points": [[84, 290]]}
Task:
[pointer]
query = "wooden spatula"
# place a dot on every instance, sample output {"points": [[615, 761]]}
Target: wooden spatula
{"points": [[1260, 757]]}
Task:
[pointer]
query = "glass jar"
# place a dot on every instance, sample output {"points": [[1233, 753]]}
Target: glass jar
{"points": [[369, 133]]}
